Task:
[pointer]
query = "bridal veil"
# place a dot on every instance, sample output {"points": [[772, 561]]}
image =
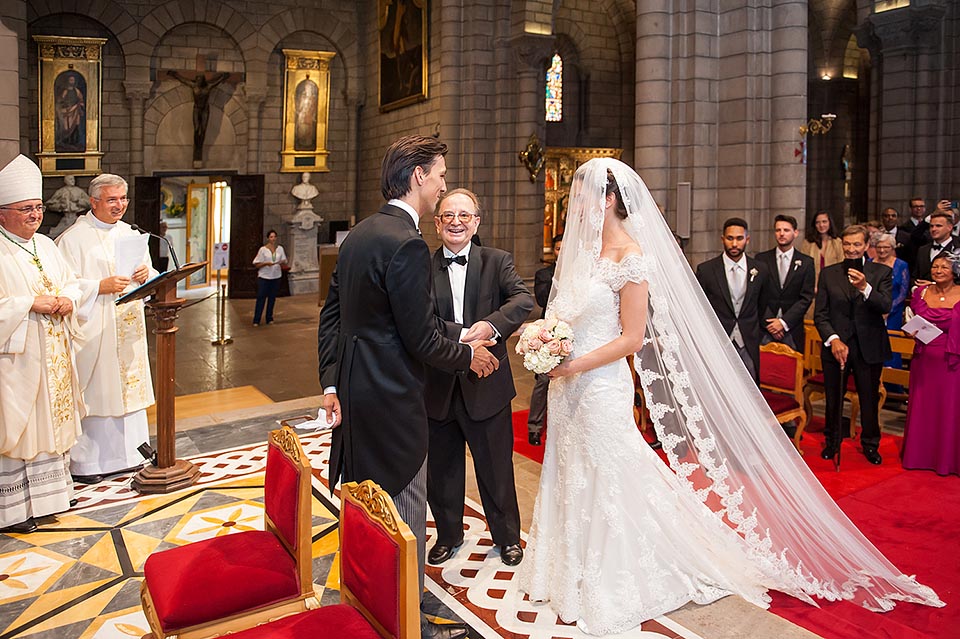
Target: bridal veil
{"points": [[717, 431]]}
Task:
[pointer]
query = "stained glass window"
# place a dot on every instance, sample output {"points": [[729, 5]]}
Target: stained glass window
{"points": [[554, 92]]}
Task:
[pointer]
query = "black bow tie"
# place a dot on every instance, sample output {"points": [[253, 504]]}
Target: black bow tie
{"points": [[937, 247], [456, 259]]}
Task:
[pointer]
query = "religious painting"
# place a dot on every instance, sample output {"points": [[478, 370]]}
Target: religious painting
{"points": [[198, 225], [403, 52], [306, 109], [70, 77]]}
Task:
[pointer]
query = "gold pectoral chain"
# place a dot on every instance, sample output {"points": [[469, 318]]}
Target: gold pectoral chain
{"points": [[44, 280]]}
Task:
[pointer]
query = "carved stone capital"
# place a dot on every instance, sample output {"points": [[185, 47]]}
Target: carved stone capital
{"points": [[137, 90], [913, 27], [532, 51]]}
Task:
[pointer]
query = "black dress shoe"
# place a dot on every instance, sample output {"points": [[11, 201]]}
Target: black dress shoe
{"points": [[22, 528], [829, 451], [440, 553], [88, 479], [872, 456], [655, 444], [534, 439], [431, 630], [73, 502], [511, 555]]}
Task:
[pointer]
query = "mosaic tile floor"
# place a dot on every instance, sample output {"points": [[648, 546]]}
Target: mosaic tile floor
{"points": [[79, 575]]}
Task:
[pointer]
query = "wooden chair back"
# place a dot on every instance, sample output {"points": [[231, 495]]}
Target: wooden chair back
{"points": [[286, 499]]}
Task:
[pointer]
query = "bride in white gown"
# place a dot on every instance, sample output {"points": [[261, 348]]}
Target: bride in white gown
{"points": [[617, 536]]}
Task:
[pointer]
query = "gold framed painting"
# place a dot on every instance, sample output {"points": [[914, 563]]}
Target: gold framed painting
{"points": [[402, 26], [70, 81], [306, 109]]}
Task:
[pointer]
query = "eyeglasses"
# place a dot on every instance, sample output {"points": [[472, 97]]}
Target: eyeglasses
{"points": [[463, 217], [113, 201], [26, 210]]}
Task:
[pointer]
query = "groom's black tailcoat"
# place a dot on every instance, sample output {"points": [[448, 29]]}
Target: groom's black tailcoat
{"points": [[377, 334], [793, 298], [841, 310], [713, 280], [465, 408]]}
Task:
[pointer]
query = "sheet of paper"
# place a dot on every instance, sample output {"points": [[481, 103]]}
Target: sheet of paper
{"points": [[128, 253], [925, 331]]}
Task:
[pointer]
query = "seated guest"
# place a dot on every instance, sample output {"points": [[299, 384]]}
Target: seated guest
{"points": [[941, 239], [793, 277], [932, 435], [41, 408]]}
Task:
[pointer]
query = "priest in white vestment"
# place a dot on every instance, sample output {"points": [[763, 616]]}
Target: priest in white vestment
{"points": [[112, 356], [40, 402]]}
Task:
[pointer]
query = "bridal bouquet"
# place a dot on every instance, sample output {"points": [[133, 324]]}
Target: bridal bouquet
{"points": [[544, 344]]}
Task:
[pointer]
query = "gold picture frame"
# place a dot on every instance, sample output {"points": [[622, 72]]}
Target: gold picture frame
{"points": [[402, 26], [70, 96], [306, 110]]}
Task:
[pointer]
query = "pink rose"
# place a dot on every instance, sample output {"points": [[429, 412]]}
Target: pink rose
{"points": [[554, 347], [534, 344], [544, 335], [566, 347]]}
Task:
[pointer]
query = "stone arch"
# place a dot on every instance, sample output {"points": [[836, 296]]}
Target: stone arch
{"points": [[176, 12], [341, 36], [112, 15]]}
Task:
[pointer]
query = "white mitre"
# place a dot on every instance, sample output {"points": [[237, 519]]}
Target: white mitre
{"points": [[20, 180]]}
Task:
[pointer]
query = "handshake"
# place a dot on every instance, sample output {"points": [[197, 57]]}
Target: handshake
{"points": [[479, 337]]}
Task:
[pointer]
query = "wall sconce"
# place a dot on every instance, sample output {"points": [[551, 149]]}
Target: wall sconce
{"points": [[818, 127], [825, 76], [532, 157]]}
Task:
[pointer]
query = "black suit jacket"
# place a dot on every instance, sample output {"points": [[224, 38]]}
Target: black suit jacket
{"points": [[493, 292], [841, 310], [918, 235], [921, 268], [796, 295], [377, 334], [542, 283], [713, 280]]}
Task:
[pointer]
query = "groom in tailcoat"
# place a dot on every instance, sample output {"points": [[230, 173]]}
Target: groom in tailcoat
{"points": [[477, 295], [739, 289], [852, 298], [378, 333]]}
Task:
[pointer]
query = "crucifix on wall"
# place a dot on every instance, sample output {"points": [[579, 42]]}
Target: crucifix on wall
{"points": [[201, 82]]}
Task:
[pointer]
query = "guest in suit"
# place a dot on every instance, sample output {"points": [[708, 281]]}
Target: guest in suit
{"points": [[852, 299], [793, 285], [542, 283], [890, 218], [477, 295], [822, 244], [941, 239], [739, 289], [377, 334], [917, 228]]}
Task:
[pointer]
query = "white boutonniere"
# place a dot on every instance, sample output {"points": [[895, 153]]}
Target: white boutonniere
{"points": [[753, 273], [796, 264]]}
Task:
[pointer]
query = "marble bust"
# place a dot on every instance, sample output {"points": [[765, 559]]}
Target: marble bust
{"points": [[304, 191], [69, 198]]}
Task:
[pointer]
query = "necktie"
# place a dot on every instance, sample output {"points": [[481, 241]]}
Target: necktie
{"points": [[784, 268], [456, 259], [937, 247], [738, 288]]}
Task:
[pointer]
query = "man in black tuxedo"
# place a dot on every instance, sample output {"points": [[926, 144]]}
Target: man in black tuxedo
{"points": [[378, 333], [941, 239], [542, 283], [794, 281], [890, 218], [477, 295], [917, 228], [852, 298], [739, 289]]}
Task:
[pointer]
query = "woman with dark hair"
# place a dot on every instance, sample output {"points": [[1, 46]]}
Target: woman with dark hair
{"points": [[932, 433], [822, 244], [269, 262]]}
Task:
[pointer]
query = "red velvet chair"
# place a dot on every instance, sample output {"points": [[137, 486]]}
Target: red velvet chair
{"points": [[237, 581], [781, 384], [378, 577]]}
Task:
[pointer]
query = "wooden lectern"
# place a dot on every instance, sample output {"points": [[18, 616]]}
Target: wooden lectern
{"points": [[170, 473]]}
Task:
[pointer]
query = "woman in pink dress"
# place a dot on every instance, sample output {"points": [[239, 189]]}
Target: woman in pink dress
{"points": [[932, 437]]}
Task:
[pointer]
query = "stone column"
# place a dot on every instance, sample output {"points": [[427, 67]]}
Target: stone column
{"points": [[253, 98], [531, 53], [304, 276], [652, 99], [9, 95], [137, 94]]}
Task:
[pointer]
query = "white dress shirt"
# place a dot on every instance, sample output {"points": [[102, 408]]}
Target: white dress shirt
{"points": [[784, 261], [458, 281], [409, 209]]}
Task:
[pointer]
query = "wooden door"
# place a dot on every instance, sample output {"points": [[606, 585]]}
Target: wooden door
{"points": [[246, 233], [146, 210]]}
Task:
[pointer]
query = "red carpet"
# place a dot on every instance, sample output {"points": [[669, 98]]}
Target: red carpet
{"points": [[912, 517]]}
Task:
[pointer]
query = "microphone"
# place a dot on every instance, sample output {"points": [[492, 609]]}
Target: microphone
{"points": [[173, 254]]}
